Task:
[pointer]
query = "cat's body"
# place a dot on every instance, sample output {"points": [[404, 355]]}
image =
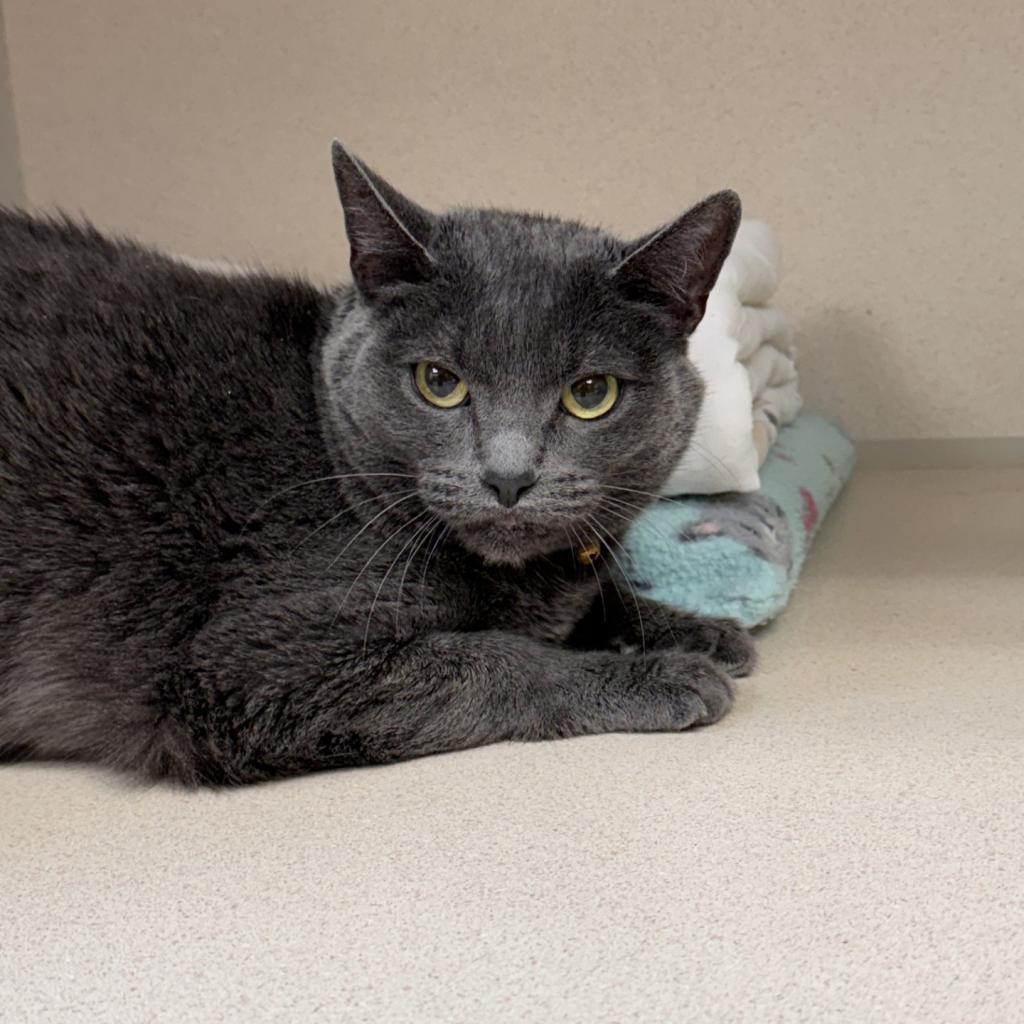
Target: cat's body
{"points": [[219, 563]]}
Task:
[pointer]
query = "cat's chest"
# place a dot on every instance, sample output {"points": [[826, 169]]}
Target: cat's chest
{"points": [[545, 600], [450, 590]]}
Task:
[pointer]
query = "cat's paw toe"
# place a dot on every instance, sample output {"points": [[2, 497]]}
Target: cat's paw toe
{"points": [[727, 644], [714, 686], [698, 691]]}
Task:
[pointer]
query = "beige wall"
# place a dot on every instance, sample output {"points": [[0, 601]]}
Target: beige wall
{"points": [[885, 141], [11, 189]]}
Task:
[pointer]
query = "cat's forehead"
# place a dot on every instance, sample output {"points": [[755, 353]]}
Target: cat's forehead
{"points": [[524, 297], [496, 243]]}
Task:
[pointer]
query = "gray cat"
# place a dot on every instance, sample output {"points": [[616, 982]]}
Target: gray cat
{"points": [[249, 528]]}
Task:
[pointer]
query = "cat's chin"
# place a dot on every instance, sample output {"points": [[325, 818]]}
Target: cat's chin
{"points": [[511, 545]]}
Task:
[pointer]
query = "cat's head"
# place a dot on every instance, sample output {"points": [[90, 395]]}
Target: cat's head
{"points": [[527, 371]]}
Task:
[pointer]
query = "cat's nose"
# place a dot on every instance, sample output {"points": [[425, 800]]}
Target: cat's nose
{"points": [[509, 487]]}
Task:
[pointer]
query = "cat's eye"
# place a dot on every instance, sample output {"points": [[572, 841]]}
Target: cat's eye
{"points": [[439, 386], [590, 397]]}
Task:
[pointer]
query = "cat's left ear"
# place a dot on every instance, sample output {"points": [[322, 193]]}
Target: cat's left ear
{"points": [[676, 266], [387, 233]]}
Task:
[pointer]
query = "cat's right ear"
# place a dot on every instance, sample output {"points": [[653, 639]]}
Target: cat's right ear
{"points": [[677, 266], [387, 233]]}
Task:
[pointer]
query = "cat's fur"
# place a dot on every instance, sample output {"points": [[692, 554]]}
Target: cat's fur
{"points": [[208, 573]]}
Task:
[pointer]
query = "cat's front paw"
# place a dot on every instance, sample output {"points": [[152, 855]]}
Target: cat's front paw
{"points": [[695, 690], [725, 642]]}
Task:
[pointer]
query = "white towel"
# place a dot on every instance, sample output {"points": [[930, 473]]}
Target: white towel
{"points": [[743, 351]]}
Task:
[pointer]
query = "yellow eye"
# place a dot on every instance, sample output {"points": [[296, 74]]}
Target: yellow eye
{"points": [[439, 386], [591, 397]]}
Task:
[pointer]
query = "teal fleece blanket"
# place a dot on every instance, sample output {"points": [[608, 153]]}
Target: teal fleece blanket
{"points": [[739, 555]]}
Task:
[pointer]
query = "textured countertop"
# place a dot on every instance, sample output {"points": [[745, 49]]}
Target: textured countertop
{"points": [[848, 845]]}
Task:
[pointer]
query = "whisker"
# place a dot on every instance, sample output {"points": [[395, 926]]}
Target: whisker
{"points": [[710, 456], [347, 508], [423, 534], [426, 566], [629, 583], [384, 578], [366, 526], [317, 480], [637, 510], [387, 540], [634, 490], [634, 512], [633, 508], [591, 525], [590, 562]]}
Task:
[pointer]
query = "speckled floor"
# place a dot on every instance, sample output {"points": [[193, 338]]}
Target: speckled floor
{"points": [[847, 846]]}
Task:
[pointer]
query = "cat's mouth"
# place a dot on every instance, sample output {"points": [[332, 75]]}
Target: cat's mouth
{"points": [[543, 523], [511, 539]]}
